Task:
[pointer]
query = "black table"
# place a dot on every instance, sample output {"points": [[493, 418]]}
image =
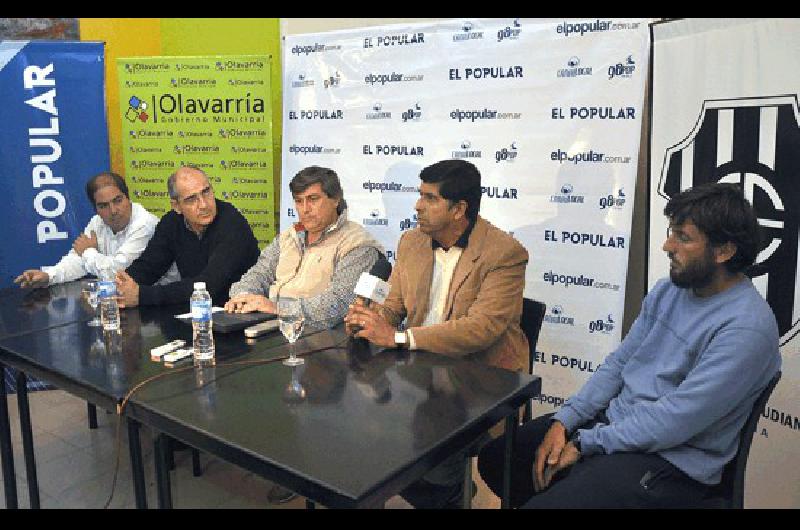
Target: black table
{"points": [[23, 312], [370, 422], [366, 425], [45, 334]]}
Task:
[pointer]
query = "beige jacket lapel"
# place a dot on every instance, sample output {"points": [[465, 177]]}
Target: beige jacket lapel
{"points": [[419, 306], [466, 264]]}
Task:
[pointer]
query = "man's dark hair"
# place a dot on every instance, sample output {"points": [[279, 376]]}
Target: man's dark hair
{"points": [[328, 178], [721, 212], [104, 179], [458, 180]]}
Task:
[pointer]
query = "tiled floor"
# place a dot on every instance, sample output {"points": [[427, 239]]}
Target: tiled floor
{"points": [[75, 465]]}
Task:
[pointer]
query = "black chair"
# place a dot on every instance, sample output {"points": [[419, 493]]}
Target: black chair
{"points": [[175, 445], [729, 493], [172, 444], [531, 324]]}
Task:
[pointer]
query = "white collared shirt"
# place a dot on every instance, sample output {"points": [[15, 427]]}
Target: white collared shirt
{"points": [[444, 265], [114, 251]]}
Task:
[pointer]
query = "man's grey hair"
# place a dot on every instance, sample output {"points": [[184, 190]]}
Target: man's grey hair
{"points": [[328, 178], [173, 193]]}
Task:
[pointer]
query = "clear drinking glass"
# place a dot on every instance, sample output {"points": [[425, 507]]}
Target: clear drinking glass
{"points": [[294, 392], [291, 320], [89, 292]]}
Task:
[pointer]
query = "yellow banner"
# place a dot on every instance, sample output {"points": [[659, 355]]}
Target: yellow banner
{"points": [[213, 112]]}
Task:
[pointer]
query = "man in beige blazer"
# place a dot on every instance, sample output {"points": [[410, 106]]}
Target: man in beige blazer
{"points": [[458, 282]]}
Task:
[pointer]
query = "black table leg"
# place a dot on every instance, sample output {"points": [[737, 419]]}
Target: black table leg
{"points": [[162, 472], [6, 449], [27, 438], [510, 434], [196, 469], [92, 410], [169, 444], [137, 466], [310, 505]]}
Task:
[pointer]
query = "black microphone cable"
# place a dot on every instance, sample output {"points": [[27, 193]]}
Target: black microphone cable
{"points": [[244, 364]]}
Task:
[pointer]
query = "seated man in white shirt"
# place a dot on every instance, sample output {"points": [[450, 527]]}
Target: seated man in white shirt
{"points": [[111, 241]]}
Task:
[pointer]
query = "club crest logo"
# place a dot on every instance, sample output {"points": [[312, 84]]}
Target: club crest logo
{"points": [[753, 142]]}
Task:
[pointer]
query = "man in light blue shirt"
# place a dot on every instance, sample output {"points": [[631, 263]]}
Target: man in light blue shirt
{"points": [[658, 421]]}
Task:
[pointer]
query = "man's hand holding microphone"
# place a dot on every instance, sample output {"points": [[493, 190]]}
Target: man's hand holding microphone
{"points": [[361, 320]]}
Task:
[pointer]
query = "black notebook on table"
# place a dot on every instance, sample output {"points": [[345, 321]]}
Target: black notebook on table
{"points": [[225, 322]]}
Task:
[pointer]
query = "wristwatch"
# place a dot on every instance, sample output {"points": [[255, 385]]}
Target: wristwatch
{"points": [[401, 339], [576, 440]]}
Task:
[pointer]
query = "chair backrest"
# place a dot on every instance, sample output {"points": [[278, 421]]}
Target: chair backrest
{"points": [[531, 323], [729, 493]]}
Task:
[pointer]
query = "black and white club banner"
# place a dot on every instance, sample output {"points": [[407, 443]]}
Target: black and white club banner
{"points": [[549, 112], [725, 108]]}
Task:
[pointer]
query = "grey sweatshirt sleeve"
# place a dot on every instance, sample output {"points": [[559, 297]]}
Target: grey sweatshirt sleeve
{"points": [[261, 275], [328, 308], [606, 382]]}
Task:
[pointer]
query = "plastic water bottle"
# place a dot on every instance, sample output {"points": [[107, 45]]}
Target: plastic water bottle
{"points": [[107, 292], [202, 323], [205, 378]]}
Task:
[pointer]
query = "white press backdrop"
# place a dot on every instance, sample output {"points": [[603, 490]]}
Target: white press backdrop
{"points": [[550, 113]]}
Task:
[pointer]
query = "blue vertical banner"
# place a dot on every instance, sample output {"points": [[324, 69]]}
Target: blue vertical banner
{"points": [[53, 138]]}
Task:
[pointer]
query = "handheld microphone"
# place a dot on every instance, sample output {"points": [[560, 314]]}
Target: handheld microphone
{"points": [[372, 285]]}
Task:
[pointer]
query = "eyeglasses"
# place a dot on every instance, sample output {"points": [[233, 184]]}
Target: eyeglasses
{"points": [[192, 200]]}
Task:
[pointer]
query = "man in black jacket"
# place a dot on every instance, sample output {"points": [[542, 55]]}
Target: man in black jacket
{"points": [[208, 240]]}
